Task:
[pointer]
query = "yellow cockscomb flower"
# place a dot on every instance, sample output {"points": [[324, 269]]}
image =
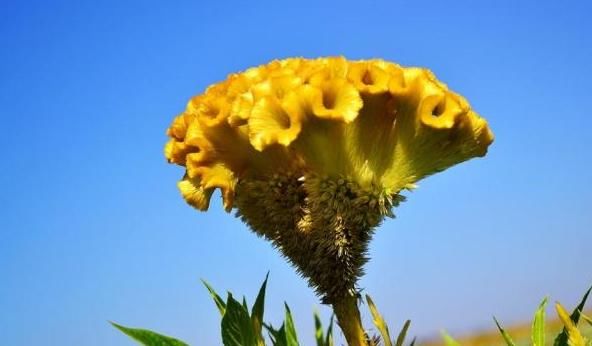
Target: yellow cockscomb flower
{"points": [[313, 154]]}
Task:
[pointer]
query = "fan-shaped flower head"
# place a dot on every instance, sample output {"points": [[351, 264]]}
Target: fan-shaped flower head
{"points": [[314, 153]]}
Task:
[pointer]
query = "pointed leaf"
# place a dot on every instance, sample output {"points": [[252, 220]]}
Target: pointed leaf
{"points": [[413, 341], [258, 309], [279, 338], [379, 322], [149, 338], [538, 325], [245, 306], [575, 317], [448, 340], [319, 333], [217, 299], [574, 337], [237, 329], [505, 335], [403, 334], [273, 333], [329, 337], [291, 337]]}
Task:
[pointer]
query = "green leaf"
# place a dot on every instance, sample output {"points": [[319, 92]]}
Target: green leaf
{"points": [[277, 336], [319, 333], [538, 325], [217, 299], [148, 338], [448, 340], [413, 341], [245, 306], [291, 337], [273, 333], [379, 322], [562, 338], [505, 334], [329, 337], [237, 329], [322, 338], [286, 335], [257, 311], [281, 339], [403, 334]]}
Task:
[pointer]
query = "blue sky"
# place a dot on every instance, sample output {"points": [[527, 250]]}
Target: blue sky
{"points": [[93, 229]]}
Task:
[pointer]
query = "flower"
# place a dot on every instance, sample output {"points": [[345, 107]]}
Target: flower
{"points": [[313, 154]]}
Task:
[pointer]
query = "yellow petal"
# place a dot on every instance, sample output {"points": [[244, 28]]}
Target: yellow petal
{"points": [[400, 84], [328, 69], [194, 193], [255, 74], [335, 99], [215, 176], [204, 148], [178, 128], [213, 110], [291, 64], [276, 86], [368, 78], [241, 109], [176, 152], [272, 122]]}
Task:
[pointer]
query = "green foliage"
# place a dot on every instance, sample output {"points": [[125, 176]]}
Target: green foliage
{"points": [[277, 336], [321, 339], [237, 329], [291, 337], [403, 333], [217, 299], [149, 338], [562, 338], [286, 335], [569, 336], [241, 326], [538, 325], [382, 327], [505, 335], [257, 311], [379, 322]]}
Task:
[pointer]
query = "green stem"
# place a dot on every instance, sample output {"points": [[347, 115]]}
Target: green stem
{"points": [[348, 317]]}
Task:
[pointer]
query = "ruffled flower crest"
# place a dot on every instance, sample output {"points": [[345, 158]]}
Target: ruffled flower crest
{"points": [[313, 154]]}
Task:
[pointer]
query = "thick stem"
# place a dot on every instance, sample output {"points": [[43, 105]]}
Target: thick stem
{"points": [[348, 318]]}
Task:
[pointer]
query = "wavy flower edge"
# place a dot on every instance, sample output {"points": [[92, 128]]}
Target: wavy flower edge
{"points": [[373, 122]]}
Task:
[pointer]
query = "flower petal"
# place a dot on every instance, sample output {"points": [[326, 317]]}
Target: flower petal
{"points": [[368, 78], [194, 194], [335, 99], [272, 123]]}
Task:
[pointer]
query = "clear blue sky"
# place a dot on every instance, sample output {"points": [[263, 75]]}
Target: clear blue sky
{"points": [[93, 229]]}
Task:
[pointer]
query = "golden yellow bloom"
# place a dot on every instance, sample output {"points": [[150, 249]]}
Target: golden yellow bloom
{"points": [[314, 153]]}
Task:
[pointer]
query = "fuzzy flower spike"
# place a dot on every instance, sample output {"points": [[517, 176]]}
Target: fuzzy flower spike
{"points": [[313, 154]]}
